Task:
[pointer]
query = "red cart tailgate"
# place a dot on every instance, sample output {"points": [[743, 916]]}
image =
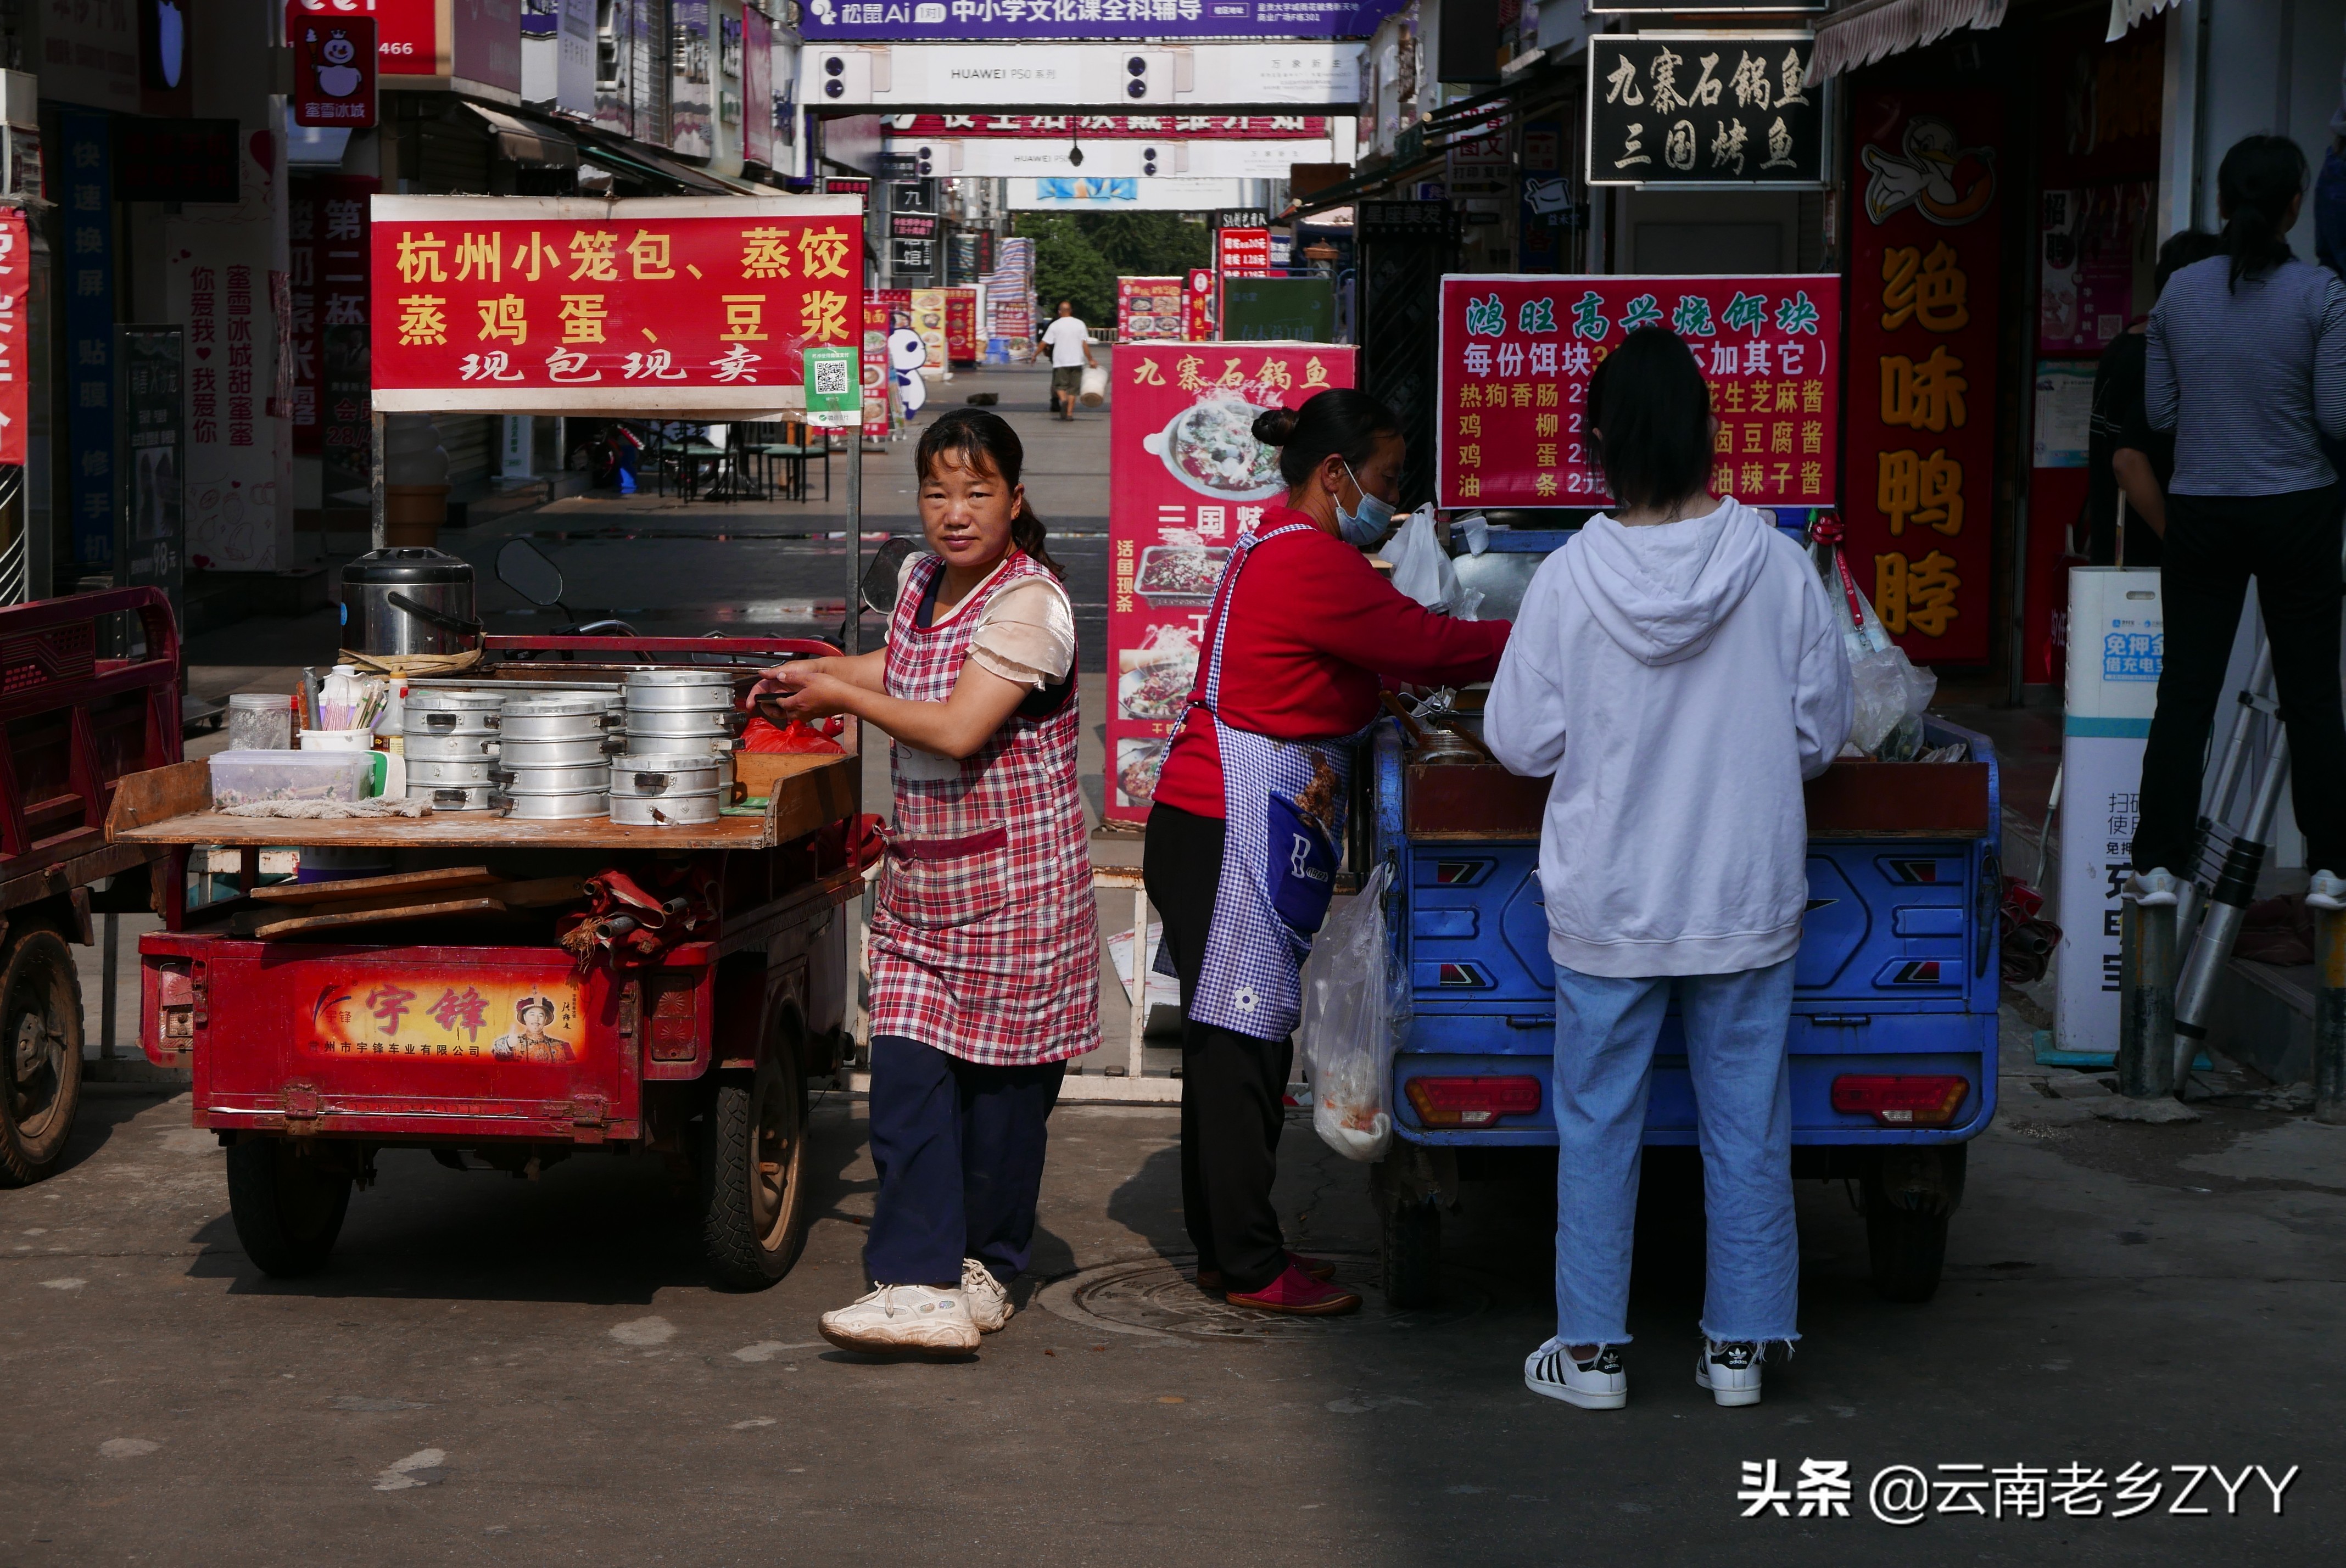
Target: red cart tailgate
{"points": [[415, 1043]]}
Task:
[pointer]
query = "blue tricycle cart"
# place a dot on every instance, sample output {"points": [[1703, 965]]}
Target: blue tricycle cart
{"points": [[1894, 1036]]}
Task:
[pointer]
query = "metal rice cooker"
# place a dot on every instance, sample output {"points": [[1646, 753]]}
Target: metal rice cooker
{"points": [[409, 600]]}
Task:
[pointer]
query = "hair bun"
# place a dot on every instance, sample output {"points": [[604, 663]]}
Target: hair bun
{"points": [[1273, 426]]}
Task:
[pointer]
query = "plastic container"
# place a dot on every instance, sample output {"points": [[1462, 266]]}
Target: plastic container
{"points": [[260, 721], [240, 777]]}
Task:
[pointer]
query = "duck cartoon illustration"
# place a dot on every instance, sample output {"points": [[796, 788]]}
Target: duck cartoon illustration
{"points": [[338, 77], [1948, 183]]}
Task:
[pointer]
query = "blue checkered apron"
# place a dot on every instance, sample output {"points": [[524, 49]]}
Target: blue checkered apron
{"points": [[1264, 905]]}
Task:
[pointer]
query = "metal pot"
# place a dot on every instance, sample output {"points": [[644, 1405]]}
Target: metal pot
{"points": [[665, 811], [552, 807], [677, 680], [449, 712], [586, 779], [407, 601], [663, 773], [662, 727], [451, 796], [559, 753], [469, 775], [473, 746], [572, 719]]}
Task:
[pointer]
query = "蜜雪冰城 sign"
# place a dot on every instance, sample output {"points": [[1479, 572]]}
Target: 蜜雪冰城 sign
{"points": [[1517, 351], [555, 305]]}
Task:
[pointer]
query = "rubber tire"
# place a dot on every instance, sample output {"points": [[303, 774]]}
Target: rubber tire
{"points": [[1907, 1249], [1411, 1254], [753, 1227], [287, 1211], [32, 1144]]}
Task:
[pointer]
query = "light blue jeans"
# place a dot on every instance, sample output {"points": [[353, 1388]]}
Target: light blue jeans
{"points": [[1605, 1035]]}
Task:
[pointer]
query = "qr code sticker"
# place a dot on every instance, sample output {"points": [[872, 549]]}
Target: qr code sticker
{"points": [[830, 378]]}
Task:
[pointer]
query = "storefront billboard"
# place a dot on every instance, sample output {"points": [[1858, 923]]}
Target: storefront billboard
{"points": [[1695, 109], [990, 21], [1925, 252], [1187, 477], [556, 305], [1517, 350]]}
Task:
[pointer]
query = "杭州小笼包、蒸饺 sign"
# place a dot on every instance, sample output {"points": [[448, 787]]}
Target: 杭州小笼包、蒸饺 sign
{"points": [[555, 305]]}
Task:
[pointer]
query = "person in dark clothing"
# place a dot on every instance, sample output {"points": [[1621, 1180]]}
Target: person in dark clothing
{"points": [[2125, 455], [2247, 367]]}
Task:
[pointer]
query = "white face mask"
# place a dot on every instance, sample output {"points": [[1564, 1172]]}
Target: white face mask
{"points": [[1362, 528]]}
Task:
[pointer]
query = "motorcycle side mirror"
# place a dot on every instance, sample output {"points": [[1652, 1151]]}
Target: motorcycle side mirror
{"points": [[881, 577], [525, 568]]}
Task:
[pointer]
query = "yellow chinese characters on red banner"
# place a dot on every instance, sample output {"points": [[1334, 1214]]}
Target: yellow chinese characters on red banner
{"points": [[553, 304], [428, 1013], [1921, 367]]}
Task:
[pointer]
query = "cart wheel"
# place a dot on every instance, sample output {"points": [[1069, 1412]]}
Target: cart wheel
{"points": [[40, 1056], [1412, 1253], [1906, 1247], [753, 1173], [288, 1210]]}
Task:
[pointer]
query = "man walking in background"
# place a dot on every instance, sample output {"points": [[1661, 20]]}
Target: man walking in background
{"points": [[1070, 343]]}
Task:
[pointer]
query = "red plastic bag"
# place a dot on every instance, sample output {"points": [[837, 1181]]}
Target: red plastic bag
{"points": [[798, 735]]}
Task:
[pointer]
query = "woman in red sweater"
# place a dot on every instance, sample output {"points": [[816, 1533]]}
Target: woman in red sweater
{"points": [[1241, 852]]}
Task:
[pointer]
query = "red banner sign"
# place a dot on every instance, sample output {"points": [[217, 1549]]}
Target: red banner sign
{"points": [[1517, 351], [15, 275], [1198, 306], [1925, 222], [409, 40], [1242, 252], [552, 305], [1187, 477], [333, 68]]}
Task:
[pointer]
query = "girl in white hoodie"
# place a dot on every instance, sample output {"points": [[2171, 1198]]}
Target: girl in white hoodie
{"points": [[1677, 669]]}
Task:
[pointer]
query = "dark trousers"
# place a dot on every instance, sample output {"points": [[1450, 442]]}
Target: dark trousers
{"points": [[960, 1150], [1233, 1085], [2290, 543]]}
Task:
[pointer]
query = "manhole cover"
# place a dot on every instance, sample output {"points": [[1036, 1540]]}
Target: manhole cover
{"points": [[1161, 1296]]}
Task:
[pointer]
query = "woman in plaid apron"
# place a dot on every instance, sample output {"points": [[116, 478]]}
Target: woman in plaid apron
{"points": [[985, 938], [1249, 807]]}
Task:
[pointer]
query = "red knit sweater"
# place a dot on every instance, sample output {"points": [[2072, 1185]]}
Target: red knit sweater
{"points": [[1313, 625]]}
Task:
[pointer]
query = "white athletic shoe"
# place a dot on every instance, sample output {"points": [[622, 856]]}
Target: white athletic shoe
{"points": [[1730, 1370], [1596, 1384], [904, 1318], [2328, 891], [2154, 889], [990, 1306]]}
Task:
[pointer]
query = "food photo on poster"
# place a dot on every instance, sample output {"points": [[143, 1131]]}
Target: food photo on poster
{"points": [[1187, 477]]}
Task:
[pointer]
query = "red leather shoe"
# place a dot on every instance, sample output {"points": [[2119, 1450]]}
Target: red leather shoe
{"points": [[1319, 1268], [1298, 1293]]}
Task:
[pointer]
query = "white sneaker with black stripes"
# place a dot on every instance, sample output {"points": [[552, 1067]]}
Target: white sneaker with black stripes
{"points": [[1730, 1370], [1596, 1384]]}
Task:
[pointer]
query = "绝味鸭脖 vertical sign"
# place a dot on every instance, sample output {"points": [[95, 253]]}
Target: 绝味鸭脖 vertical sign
{"points": [[15, 281], [1517, 350], [555, 305], [1186, 477], [1924, 254]]}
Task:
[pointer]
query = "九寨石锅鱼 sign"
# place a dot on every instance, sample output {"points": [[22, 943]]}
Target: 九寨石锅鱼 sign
{"points": [[556, 305], [1517, 351]]}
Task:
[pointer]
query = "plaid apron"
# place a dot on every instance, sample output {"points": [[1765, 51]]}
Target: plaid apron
{"points": [[985, 937], [1284, 807]]}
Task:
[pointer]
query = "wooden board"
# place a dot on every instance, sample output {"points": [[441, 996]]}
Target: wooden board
{"points": [[305, 925], [172, 806], [367, 887]]}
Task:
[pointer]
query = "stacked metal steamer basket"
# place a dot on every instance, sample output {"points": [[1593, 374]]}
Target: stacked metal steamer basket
{"points": [[554, 756], [450, 737], [678, 764]]}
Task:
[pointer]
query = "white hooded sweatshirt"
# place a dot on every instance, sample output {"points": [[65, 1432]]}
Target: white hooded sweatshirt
{"points": [[1679, 681]]}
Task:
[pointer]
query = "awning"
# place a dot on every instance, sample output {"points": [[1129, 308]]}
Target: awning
{"points": [[2125, 14], [533, 147], [1874, 30]]}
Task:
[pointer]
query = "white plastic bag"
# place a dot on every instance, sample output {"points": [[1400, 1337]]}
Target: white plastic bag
{"points": [[1889, 693], [1355, 1008], [1424, 571]]}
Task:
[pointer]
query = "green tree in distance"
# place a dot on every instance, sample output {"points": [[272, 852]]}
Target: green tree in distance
{"points": [[1079, 256]]}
